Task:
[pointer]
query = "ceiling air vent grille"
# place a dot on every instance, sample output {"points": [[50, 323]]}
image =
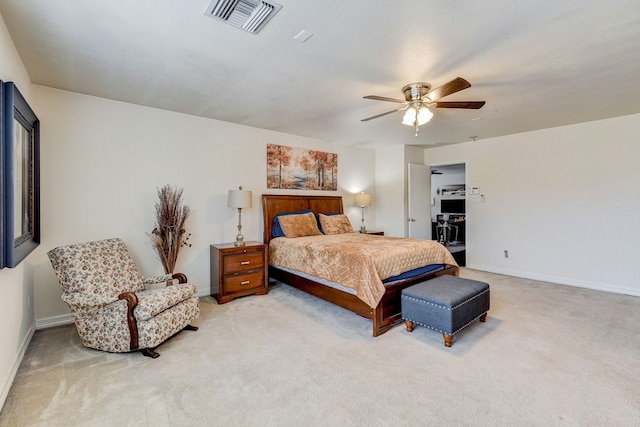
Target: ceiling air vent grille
{"points": [[249, 15]]}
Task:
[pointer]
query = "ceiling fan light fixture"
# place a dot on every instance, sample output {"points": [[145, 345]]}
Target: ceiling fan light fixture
{"points": [[417, 116], [424, 115], [409, 117]]}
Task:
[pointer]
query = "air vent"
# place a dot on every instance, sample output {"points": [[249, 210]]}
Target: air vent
{"points": [[248, 15]]}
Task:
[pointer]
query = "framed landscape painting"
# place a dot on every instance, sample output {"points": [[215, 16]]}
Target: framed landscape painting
{"points": [[300, 169]]}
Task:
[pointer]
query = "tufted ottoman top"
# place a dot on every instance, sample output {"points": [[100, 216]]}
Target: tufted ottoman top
{"points": [[446, 290]]}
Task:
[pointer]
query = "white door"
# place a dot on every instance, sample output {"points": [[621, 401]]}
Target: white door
{"points": [[419, 211]]}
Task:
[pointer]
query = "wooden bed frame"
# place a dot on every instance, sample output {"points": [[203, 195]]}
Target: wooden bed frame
{"points": [[388, 311]]}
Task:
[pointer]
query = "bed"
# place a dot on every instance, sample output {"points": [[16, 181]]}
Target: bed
{"points": [[387, 312]]}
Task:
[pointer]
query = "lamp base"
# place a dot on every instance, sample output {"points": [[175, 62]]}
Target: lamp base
{"points": [[239, 240], [239, 237]]}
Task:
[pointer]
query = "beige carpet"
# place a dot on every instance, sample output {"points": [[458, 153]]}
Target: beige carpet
{"points": [[547, 355]]}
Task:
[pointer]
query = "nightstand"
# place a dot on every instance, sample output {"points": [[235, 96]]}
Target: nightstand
{"points": [[237, 271], [375, 232]]}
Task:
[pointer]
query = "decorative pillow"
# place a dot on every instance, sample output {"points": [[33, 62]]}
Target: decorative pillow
{"points": [[335, 224], [299, 225], [276, 231], [318, 220]]}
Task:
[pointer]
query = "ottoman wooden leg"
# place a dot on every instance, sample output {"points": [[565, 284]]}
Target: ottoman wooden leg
{"points": [[483, 317], [409, 324], [448, 339]]}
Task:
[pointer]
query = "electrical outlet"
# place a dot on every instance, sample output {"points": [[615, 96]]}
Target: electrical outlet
{"points": [[506, 253]]}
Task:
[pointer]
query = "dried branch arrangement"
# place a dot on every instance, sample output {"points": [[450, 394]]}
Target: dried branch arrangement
{"points": [[169, 234]]}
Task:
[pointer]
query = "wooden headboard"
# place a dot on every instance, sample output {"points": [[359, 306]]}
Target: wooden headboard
{"points": [[273, 204]]}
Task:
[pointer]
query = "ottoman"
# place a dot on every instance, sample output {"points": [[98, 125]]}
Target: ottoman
{"points": [[446, 304]]}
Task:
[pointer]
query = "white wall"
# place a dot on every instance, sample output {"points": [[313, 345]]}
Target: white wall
{"points": [[16, 315], [102, 162], [389, 199], [563, 201]]}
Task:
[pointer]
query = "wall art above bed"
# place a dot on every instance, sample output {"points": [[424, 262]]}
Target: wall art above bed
{"points": [[300, 169]]}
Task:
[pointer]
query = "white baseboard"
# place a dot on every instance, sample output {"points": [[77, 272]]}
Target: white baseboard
{"points": [[8, 381], [50, 322], [559, 280]]}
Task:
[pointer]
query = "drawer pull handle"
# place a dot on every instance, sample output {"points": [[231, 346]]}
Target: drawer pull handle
{"points": [[244, 263], [246, 282]]}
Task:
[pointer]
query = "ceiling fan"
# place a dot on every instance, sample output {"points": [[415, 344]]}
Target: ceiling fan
{"points": [[419, 99]]}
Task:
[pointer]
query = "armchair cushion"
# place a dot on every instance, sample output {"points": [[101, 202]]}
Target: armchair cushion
{"points": [[155, 301]]}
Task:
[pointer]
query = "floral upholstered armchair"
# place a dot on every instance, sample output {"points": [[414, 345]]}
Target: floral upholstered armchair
{"points": [[110, 306]]}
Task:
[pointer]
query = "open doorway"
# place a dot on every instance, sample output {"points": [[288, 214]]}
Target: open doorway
{"points": [[448, 208]]}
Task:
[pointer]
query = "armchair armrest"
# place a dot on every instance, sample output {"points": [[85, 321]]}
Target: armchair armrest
{"points": [[182, 278], [147, 280], [132, 302], [93, 301]]}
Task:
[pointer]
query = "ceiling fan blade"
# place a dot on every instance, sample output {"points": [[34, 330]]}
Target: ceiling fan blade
{"points": [[455, 85], [384, 98], [380, 115], [472, 105]]}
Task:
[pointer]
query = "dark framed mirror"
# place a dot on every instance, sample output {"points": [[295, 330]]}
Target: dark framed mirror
{"points": [[19, 176]]}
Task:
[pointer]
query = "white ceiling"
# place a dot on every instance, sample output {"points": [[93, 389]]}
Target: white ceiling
{"points": [[537, 63]]}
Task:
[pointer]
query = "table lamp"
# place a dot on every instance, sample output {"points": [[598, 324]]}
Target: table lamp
{"points": [[239, 199], [363, 200]]}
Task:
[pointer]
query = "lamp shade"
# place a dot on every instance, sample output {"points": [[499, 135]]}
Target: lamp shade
{"points": [[417, 116], [363, 200], [409, 117], [239, 198], [424, 115]]}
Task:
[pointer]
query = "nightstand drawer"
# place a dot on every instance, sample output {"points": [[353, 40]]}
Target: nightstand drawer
{"points": [[243, 262], [244, 282]]}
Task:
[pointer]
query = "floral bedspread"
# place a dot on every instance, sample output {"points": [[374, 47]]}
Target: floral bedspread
{"points": [[357, 261]]}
